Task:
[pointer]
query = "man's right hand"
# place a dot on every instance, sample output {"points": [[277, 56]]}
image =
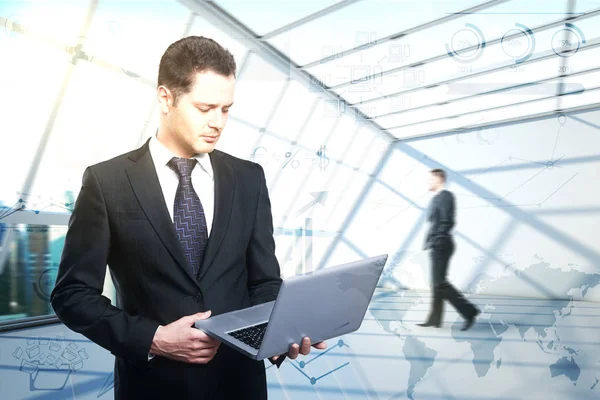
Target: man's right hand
{"points": [[180, 341]]}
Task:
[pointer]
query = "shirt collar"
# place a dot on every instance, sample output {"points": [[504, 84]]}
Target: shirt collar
{"points": [[161, 156]]}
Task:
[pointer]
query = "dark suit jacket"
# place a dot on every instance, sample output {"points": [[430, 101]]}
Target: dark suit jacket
{"points": [[121, 219], [440, 214]]}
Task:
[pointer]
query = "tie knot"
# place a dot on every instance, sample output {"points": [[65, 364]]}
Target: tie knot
{"points": [[182, 166]]}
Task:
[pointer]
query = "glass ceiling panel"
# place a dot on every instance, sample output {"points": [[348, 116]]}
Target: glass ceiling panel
{"points": [[432, 41], [513, 76], [264, 16], [433, 101], [585, 5], [548, 42], [350, 26], [590, 96], [481, 103]]}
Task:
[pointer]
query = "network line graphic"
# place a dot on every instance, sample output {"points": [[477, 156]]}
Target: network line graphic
{"points": [[301, 365], [545, 165], [28, 202]]}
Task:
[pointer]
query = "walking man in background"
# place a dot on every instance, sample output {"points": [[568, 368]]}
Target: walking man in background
{"points": [[439, 241]]}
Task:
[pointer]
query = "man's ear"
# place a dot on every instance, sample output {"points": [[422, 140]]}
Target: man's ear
{"points": [[165, 98]]}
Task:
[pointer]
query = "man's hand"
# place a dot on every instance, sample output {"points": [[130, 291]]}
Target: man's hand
{"points": [[304, 349], [179, 341]]}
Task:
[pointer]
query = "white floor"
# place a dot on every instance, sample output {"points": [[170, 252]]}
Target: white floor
{"points": [[518, 349]]}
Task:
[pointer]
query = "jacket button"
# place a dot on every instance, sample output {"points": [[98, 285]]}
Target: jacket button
{"points": [[197, 297]]}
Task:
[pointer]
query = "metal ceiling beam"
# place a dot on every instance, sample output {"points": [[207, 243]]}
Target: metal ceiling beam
{"points": [[409, 31], [215, 14], [439, 57], [321, 13]]}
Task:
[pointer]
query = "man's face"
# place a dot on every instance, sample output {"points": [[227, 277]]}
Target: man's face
{"points": [[435, 182], [195, 124]]}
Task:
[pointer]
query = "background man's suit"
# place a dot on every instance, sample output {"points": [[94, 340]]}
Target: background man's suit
{"points": [[441, 214], [121, 219]]}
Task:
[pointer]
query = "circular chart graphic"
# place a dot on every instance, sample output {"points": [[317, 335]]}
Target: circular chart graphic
{"points": [[518, 43], [467, 44], [567, 41]]}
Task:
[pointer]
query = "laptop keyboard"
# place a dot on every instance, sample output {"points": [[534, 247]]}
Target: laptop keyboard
{"points": [[252, 336]]}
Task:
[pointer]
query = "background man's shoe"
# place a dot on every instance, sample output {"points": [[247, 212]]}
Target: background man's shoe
{"points": [[470, 322], [430, 324]]}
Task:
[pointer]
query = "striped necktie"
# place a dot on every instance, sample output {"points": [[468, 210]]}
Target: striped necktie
{"points": [[188, 214]]}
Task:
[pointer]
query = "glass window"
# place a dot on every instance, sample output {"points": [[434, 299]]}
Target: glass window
{"points": [[284, 163], [338, 31], [385, 217], [134, 35], [222, 34], [360, 143], [27, 105], [343, 192], [344, 253], [239, 140], [265, 16], [584, 60], [572, 84], [341, 138], [32, 19], [489, 117], [300, 245], [293, 110], [430, 42], [29, 257], [563, 40], [258, 89], [374, 154], [585, 6], [89, 129], [321, 124]]}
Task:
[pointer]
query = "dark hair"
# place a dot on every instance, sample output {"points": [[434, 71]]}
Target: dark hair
{"points": [[186, 57], [439, 172]]}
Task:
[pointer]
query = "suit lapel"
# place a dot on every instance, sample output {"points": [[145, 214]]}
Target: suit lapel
{"points": [[224, 180], [147, 189]]}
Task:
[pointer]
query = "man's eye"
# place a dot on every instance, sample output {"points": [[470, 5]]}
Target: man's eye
{"points": [[226, 110], [204, 109]]}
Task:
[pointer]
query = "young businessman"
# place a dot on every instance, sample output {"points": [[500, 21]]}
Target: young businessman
{"points": [[441, 244], [186, 231]]}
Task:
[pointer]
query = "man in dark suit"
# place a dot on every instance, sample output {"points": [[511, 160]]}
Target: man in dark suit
{"points": [[186, 231], [439, 241]]}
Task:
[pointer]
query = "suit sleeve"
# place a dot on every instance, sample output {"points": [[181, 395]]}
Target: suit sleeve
{"points": [[264, 278], [77, 297], [446, 212]]}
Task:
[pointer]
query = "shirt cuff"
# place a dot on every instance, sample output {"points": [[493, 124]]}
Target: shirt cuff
{"points": [[150, 355]]}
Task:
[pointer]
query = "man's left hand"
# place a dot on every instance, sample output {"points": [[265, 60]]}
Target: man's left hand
{"points": [[304, 349]]}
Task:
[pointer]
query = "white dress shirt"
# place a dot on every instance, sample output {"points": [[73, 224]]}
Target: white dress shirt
{"points": [[202, 181]]}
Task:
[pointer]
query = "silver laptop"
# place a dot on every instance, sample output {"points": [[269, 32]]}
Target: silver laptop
{"points": [[320, 305]]}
